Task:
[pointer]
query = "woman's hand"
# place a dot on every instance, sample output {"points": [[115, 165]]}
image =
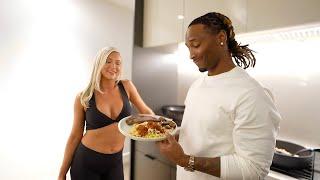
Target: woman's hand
{"points": [[171, 149]]}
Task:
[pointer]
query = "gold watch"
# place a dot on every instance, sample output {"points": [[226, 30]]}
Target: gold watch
{"points": [[190, 166]]}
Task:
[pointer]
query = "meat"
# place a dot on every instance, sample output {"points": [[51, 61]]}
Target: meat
{"points": [[140, 119], [155, 125], [142, 130]]}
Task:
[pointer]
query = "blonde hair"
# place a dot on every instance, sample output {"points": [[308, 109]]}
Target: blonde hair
{"points": [[94, 84]]}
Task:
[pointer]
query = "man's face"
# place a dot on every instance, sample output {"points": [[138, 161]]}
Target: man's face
{"points": [[203, 47]]}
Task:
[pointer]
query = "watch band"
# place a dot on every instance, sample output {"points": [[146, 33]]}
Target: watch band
{"points": [[190, 166]]}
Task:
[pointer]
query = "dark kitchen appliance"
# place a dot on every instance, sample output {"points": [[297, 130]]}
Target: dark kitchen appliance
{"points": [[289, 161], [174, 112], [306, 166]]}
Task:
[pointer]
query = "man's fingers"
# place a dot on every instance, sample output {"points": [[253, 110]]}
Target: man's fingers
{"points": [[170, 138], [161, 143]]}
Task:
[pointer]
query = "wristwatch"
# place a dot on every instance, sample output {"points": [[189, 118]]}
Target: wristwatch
{"points": [[190, 166]]}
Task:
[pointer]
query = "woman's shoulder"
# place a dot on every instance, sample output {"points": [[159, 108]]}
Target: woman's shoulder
{"points": [[127, 83], [78, 102], [128, 86], [78, 96]]}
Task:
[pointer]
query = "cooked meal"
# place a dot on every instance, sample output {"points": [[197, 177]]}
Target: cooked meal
{"points": [[149, 126], [140, 119], [283, 151]]}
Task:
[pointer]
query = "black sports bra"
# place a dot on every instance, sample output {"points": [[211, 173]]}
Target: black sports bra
{"points": [[96, 119]]}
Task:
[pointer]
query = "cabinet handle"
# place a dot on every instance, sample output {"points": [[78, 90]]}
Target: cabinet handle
{"points": [[150, 157]]}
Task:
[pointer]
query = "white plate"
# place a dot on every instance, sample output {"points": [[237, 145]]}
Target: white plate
{"points": [[125, 129]]}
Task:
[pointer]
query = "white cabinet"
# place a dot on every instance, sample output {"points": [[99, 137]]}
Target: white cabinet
{"points": [[270, 14], [234, 9], [173, 172], [161, 25], [150, 164], [148, 168]]}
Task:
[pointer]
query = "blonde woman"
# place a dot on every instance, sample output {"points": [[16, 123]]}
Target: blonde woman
{"points": [[97, 154]]}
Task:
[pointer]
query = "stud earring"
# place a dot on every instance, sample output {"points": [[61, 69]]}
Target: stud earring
{"points": [[221, 43]]}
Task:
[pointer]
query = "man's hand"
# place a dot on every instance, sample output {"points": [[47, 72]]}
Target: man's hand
{"points": [[173, 151]]}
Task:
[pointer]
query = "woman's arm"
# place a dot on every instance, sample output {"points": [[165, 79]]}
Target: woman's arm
{"points": [[135, 98], [74, 138]]}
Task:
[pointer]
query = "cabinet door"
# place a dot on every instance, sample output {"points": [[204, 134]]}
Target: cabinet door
{"points": [[161, 25], [270, 14], [173, 173], [148, 168], [236, 10], [151, 149]]}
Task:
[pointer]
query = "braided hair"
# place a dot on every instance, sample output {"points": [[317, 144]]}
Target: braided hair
{"points": [[215, 22]]}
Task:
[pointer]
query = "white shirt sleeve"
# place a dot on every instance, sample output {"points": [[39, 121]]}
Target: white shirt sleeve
{"points": [[256, 125]]}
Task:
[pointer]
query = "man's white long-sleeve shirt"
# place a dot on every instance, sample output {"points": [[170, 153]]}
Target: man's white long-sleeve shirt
{"points": [[229, 116]]}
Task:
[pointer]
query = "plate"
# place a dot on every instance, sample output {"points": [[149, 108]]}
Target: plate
{"points": [[125, 129]]}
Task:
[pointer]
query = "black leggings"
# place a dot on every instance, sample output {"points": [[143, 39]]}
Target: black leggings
{"points": [[88, 164]]}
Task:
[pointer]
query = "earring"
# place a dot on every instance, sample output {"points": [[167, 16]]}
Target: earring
{"points": [[221, 43]]}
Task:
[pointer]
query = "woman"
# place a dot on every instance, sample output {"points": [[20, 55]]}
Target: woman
{"points": [[230, 123], [98, 153]]}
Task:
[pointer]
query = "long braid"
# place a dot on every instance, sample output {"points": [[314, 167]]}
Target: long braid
{"points": [[216, 22]]}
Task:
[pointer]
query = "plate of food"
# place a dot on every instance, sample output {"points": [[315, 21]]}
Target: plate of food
{"points": [[146, 127]]}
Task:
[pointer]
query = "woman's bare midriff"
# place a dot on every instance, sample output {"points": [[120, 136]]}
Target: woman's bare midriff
{"points": [[107, 140]]}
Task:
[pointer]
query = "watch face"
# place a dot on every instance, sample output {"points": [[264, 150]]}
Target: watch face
{"points": [[190, 166]]}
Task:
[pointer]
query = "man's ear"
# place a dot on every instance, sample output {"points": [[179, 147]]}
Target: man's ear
{"points": [[222, 37]]}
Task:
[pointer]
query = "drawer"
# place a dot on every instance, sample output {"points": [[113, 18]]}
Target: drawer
{"points": [[146, 168], [151, 150]]}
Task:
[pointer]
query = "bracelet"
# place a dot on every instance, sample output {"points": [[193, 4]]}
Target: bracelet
{"points": [[190, 166]]}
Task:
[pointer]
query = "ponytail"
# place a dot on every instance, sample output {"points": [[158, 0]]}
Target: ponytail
{"points": [[241, 54]]}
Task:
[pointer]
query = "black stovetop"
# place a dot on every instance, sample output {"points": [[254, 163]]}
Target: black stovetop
{"points": [[310, 173]]}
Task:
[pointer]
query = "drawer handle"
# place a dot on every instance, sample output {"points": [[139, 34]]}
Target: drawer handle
{"points": [[150, 157]]}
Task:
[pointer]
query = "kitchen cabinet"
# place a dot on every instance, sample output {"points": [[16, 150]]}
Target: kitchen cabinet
{"points": [[148, 168], [150, 164], [173, 172], [236, 10], [161, 25], [270, 14], [252, 15]]}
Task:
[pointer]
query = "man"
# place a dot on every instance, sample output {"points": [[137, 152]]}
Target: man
{"points": [[230, 123]]}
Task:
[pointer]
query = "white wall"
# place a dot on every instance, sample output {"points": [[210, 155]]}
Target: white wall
{"points": [[288, 64], [46, 52]]}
